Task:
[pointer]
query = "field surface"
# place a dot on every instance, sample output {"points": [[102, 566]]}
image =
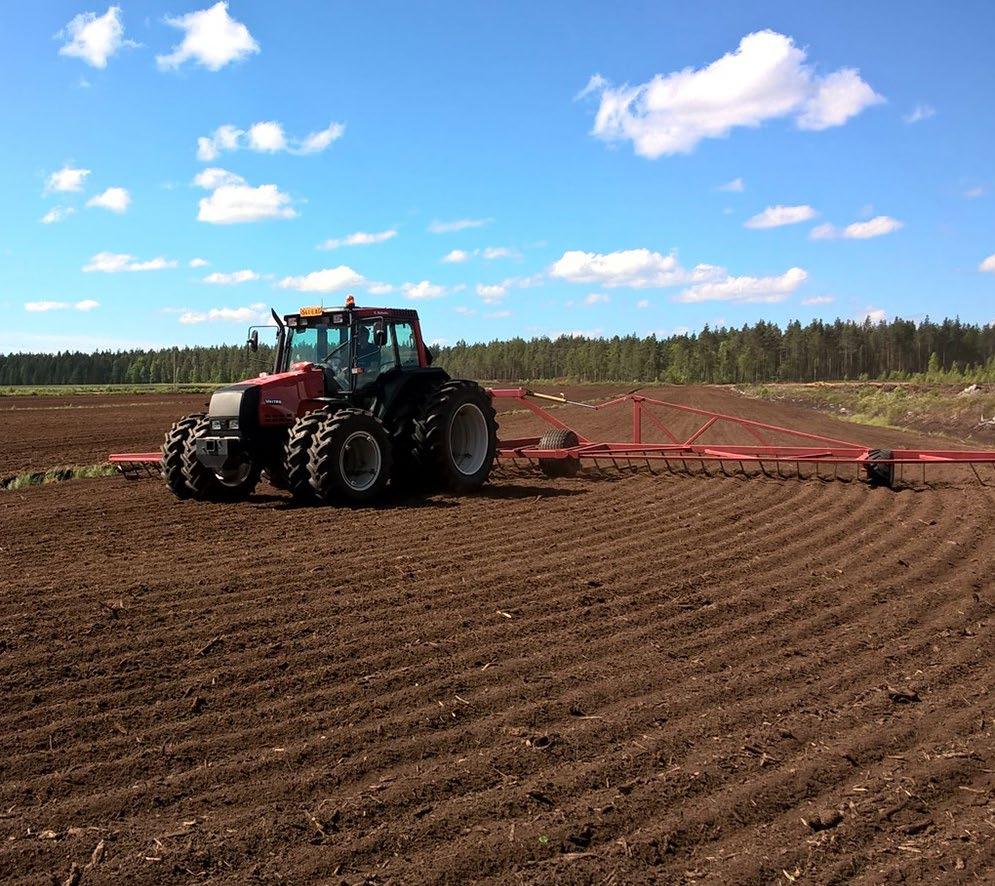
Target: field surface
{"points": [[615, 678]]}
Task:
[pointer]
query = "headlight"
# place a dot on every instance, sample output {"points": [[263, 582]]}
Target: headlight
{"points": [[233, 424], [215, 425]]}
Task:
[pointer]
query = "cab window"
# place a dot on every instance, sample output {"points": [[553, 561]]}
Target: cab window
{"points": [[373, 360], [407, 347]]}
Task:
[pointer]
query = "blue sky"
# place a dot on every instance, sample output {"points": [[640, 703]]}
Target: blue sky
{"points": [[584, 167]]}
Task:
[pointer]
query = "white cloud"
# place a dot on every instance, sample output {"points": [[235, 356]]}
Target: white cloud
{"points": [[243, 276], [359, 238], [113, 199], [736, 186], [818, 300], [919, 113], [117, 262], [988, 265], [214, 177], [93, 38], [457, 256], [423, 290], [636, 268], [746, 289], [326, 280], [596, 83], [975, 192], [238, 203], [66, 179], [198, 263], [254, 313], [875, 227], [211, 38], [492, 293], [379, 288], [460, 224], [643, 303], [874, 315], [776, 216], [225, 138], [87, 304], [57, 214], [265, 137], [490, 253], [596, 298], [766, 77]]}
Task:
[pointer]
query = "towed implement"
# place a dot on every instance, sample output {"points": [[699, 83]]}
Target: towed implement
{"points": [[354, 403]]}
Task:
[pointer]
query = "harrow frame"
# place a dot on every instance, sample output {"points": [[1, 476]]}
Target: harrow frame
{"points": [[645, 410]]}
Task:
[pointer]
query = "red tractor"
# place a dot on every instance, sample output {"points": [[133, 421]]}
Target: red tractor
{"points": [[353, 403]]}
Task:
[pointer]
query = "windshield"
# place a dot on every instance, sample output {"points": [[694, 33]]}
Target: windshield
{"points": [[329, 347], [318, 344]]}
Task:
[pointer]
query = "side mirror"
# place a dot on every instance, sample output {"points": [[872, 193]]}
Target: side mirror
{"points": [[253, 342], [379, 334]]}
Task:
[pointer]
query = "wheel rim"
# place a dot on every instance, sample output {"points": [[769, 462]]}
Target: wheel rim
{"points": [[235, 477], [360, 461], [469, 439]]}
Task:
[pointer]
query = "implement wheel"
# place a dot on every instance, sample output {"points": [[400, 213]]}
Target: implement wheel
{"points": [[173, 446], [230, 485], [880, 474], [559, 438], [457, 436], [350, 458]]}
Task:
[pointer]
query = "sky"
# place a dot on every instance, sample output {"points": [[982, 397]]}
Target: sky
{"points": [[171, 170]]}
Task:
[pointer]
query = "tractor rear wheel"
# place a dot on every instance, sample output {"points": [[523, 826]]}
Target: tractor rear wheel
{"points": [[559, 438], [229, 485], [297, 454], [350, 458], [172, 454], [456, 437]]}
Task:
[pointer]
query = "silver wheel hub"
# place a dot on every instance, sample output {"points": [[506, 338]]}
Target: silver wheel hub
{"points": [[360, 460], [469, 439]]}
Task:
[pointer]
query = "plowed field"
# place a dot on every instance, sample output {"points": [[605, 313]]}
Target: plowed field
{"points": [[614, 678]]}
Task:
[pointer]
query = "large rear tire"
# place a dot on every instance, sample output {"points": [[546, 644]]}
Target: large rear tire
{"points": [[232, 485], [456, 438], [350, 458], [173, 446], [559, 438], [297, 454]]}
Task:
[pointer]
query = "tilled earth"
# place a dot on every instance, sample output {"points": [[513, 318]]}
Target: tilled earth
{"points": [[618, 677]]}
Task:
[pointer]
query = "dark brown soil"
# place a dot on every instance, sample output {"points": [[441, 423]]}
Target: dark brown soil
{"points": [[617, 678]]}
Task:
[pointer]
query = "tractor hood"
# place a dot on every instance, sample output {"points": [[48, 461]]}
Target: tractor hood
{"points": [[269, 400]]}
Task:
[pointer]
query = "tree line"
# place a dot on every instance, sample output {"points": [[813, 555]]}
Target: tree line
{"points": [[762, 352]]}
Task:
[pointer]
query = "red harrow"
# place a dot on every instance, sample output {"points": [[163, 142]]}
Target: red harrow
{"points": [[562, 450]]}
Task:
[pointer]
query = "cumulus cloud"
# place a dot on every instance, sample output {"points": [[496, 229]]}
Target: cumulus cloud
{"points": [[198, 263], [87, 304], [233, 201], [746, 289], [736, 186], [492, 293], [359, 238], [875, 227], [988, 265], [872, 315], [57, 214], [243, 276], [456, 256], [325, 280], [118, 262], [66, 179], [489, 253], [920, 113], [460, 224], [94, 38], [596, 298], [113, 199], [777, 216], [766, 77], [636, 268], [265, 137], [211, 38], [254, 313], [422, 291]]}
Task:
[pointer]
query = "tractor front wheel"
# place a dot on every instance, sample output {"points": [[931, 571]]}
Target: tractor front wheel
{"points": [[457, 436], [350, 458], [173, 447], [232, 484]]}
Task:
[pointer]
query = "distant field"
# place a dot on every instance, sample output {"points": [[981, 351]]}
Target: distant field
{"points": [[74, 390]]}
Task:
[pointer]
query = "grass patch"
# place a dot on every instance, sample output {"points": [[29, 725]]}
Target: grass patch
{"points": [[77, 390], [56, 475]]}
